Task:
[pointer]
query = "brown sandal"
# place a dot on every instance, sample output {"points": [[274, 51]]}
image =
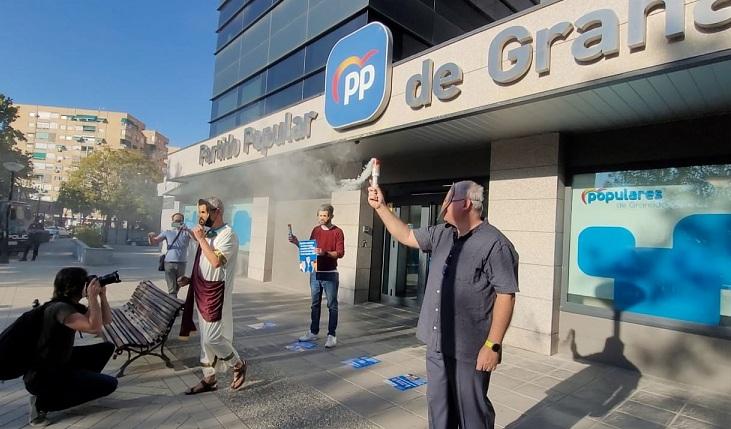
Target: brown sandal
{"points": [[239, 377], [201, 387]]}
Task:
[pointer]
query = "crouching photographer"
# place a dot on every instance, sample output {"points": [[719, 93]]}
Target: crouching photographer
{"points": [[63, 375]]}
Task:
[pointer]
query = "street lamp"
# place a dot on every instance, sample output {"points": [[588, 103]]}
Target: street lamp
{"points": [[13, 167]]}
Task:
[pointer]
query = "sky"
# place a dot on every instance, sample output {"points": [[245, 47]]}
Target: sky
{"points": [[150, 58]]}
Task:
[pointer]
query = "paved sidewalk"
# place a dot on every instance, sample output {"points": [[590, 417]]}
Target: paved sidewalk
{"points": [[287, 389]]}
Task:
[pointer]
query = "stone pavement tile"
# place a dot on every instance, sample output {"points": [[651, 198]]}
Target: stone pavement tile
{"points": [[584, 407], [550, 418], [549, 382], [667, 389], [520, 373], [711, 400], [399, 418], [539, 366], [683, 422], [502, 380], [367, 404], [507, 398], [417, 406], [622, 420], [115, 418], [92, 417], [505, 415], [647, 412], [157, 418], [390, 393], [561, 373], [718, 417], [139, 416], [660, 401], [539, 392], [14, 415], [175, 420]]}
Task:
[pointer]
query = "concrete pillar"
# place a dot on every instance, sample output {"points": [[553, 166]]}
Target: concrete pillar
{"points": [[262, 240], [526, 200], [352, 214]]}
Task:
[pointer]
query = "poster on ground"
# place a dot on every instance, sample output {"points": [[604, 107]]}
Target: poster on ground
{"points": [[406, 382]]}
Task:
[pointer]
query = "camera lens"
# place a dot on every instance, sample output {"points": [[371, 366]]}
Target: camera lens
{"points": [[110, 278]]}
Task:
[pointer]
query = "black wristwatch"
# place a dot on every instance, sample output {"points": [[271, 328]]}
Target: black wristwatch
{"points": [[493, 346]]}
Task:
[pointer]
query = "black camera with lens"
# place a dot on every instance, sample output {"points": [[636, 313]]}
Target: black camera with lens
{"points": [[106, 279]]}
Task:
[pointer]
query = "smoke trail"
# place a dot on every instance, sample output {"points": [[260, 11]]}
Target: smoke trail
{"points": [[355, 184]]}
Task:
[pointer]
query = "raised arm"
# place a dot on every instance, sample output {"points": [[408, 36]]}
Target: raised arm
{"points": [[395, 226]]}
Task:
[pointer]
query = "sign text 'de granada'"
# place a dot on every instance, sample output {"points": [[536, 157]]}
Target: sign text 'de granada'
{"points": [[358, 77]]}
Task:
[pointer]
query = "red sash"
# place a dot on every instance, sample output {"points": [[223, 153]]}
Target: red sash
{"points": [[208, 295]]}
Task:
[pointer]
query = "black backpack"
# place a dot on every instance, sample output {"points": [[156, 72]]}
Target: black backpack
{"points": [[18, 343]]}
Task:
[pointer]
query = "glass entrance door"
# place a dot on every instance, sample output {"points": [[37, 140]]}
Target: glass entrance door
{"points": [[405, 268]]}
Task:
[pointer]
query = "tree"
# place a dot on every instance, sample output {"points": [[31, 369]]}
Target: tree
{"points": [[9, 136], [71, 196], [119, 184]]}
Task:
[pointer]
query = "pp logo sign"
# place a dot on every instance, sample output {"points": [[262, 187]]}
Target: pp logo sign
{"points": [[358, 77]]}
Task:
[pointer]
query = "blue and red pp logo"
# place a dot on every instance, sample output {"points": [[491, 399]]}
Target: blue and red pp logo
{"points": [[358, 77]]}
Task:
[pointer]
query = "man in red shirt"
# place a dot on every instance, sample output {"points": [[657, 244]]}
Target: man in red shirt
{"points": [[330, 247]]}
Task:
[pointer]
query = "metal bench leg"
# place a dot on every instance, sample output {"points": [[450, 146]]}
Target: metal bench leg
{"points": [[129, 361]]}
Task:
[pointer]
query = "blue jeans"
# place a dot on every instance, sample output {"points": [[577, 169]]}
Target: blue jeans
{"points": [[329, 283]]}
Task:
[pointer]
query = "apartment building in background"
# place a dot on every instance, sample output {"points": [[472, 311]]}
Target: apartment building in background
{"points": [[58, 138]]}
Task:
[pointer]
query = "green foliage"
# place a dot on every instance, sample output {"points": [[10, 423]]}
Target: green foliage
{"points": [[90, 236], [117, 183], [9, 136]]}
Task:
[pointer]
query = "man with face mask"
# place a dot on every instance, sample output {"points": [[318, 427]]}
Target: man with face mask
{"points": [[468, 303], [210, 293], [177, 240]]}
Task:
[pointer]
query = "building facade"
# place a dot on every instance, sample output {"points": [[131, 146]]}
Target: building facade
{"points": [[58, 138], [271, 54], [600, 131]]}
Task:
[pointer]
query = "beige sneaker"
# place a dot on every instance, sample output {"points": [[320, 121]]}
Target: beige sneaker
{"points": [[331, 342]]}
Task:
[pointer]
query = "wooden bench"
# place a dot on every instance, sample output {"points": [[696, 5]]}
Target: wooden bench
{"points": [[143, 324]]}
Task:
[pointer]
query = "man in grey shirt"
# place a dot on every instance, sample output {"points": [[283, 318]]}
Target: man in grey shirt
{"points": [[468, 304], [177, 239]]}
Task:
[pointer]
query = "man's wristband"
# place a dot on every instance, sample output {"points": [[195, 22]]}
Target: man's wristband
{"points": [[493, 346]]}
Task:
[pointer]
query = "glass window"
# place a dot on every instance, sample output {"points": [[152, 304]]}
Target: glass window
{"points": [[318, 51], [289, 28], [286, 71], [314, 85], [228, 10], [252, 89], [654, 243], [89, 128], [256, 9], [224, 103], [229, 55], [250, 113], [222, 125], [234, 27], [325, 14], [255, 51], [225, 78], [286, 97]]}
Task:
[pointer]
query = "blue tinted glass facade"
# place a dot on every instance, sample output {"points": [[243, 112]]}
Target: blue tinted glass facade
{"points": [[271, 54]]}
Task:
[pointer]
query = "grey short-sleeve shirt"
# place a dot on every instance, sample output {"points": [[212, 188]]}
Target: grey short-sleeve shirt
{"points": [[465, 274]]}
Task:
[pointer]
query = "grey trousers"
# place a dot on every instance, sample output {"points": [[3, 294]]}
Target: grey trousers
{"points": [[457, 394], [173, 270]]}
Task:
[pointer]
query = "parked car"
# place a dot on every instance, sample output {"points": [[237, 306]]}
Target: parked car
{"points": [[58, 231]]}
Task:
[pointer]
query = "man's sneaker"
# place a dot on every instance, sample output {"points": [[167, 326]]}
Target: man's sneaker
{"points": [[309, 336], [331, 341], [37, 417]]}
